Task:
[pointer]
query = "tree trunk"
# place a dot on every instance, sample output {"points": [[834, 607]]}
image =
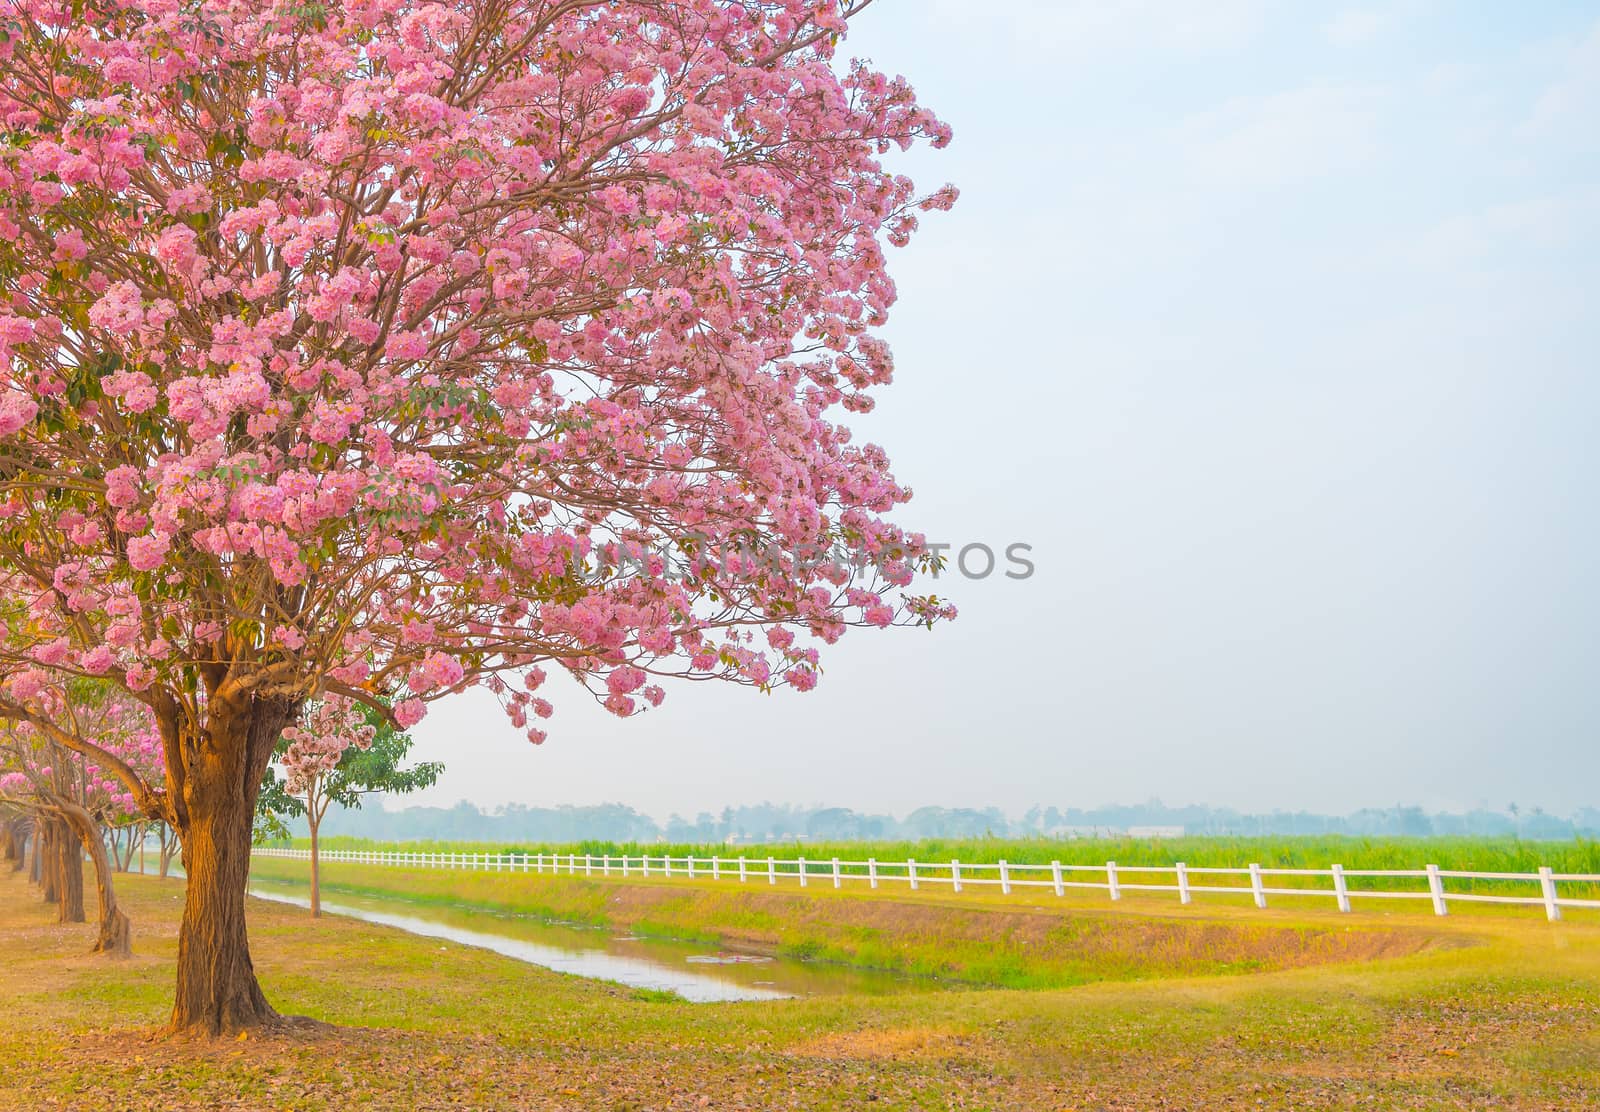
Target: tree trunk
{"points": [[217, 991], [115, 938], [8, 842], [49, 862], [36, 871], [135, 841], [316, 888], [111, 838], [70, 890], [19, 834]]}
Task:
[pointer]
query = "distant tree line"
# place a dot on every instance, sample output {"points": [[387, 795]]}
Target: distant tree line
{"points": [[774, 822]]}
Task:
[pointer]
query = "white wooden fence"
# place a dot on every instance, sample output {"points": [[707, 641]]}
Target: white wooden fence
{"points": [[1186, 881]]}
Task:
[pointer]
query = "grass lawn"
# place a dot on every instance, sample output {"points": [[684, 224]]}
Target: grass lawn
{"points": [[1473, 1011]]}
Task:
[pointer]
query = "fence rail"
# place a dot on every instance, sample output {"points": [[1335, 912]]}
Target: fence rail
{"points": [[1110, 878]]}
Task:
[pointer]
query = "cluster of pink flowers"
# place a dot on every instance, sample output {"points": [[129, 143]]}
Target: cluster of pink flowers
{"points": [[317, 744]]}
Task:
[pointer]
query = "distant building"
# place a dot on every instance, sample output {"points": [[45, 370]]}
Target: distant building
{"points": [[1073, 832], [1155, 831]]}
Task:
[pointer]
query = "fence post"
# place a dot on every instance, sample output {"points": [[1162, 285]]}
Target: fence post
{"points": [[1436, 889], [1255, 885], [872, 872], [1340, 891], [1055, 875], [802, 872], [716, 867], [1547, 885], [644, 864], [691, 867], [605, 868], [588, 864], [955, 875], [772, 872], [911, 871], [836, 872], [1111, 880], [741, 870], [624, 864], [1184, 895], [1005, 879]]}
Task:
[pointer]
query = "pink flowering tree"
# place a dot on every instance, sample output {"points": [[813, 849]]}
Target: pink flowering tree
{"points": [[387, 347], [341, 751], [313, 754], [77, 800]]}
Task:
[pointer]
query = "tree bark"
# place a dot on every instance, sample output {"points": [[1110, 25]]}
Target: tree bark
{"points": [[48, 862], [169, 846], [36, 869], [316, 887], [19, 835], [217, 991], [136, 833], [115, 938], [70, 883]]}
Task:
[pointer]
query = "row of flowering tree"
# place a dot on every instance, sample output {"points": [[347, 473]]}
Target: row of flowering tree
{"points": [[382, 348], [73, 802]]}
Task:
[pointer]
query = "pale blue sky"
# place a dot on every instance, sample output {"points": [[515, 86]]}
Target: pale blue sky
{"points": [[1272, 328]]}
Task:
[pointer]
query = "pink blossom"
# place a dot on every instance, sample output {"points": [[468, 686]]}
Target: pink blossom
{"points": [[17, 411], [118, 310], [409, 712], [565, 255], [70, 244], [624, 680], [147, 553], [122, 488], [437, 670]]}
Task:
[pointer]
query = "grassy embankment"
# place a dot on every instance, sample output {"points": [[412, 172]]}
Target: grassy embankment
{"points": [[989, 942], [1490, 1012]]}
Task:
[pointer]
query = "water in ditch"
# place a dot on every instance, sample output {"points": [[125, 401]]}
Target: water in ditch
{"points": [[693, 971]]}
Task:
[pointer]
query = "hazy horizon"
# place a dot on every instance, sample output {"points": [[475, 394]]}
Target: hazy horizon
{"points": [[1272, 333]]}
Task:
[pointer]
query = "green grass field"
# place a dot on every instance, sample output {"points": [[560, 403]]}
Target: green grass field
{"points": [[1397, 1010], [1480, 854], [1492, 855]]}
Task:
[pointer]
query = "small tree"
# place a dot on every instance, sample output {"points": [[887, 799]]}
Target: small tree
{"points": [[340, 752]]}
